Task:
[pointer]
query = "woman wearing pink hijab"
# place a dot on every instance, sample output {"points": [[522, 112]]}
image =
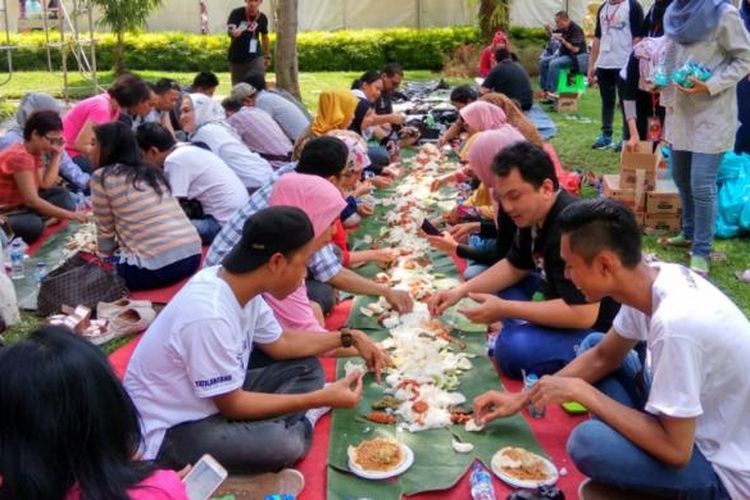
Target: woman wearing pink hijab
{"points": [[480, 116], [323, 203], [476, 117], [487, 61], [494, 239]]}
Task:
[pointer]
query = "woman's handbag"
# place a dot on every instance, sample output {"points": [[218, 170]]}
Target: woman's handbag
{"points": [[82, 280]]}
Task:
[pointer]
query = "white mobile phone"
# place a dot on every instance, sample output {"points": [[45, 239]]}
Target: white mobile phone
{"points": [[204, 478]]}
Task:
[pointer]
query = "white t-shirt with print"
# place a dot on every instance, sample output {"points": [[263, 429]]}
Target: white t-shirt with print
{"points": [[198, 174], [699, 346], [616, 42], [252, 170], [196, 349]]}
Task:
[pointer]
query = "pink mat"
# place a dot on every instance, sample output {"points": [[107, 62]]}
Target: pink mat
{"points": [[164, 295]]}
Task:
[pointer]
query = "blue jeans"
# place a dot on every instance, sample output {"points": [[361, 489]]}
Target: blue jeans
{"points": [[609, 458], [207, 228], [695, 176], [553, 68], [139, 278], [473, 268], [533, 348], [544, 70]]}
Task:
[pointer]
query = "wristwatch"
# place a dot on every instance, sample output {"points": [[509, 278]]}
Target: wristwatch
{"points": [[347, 338]]}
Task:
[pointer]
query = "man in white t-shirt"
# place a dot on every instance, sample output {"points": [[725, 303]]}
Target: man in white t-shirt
{"points": [[618, 28], [216, 374], [679, 427], [195, 174]]}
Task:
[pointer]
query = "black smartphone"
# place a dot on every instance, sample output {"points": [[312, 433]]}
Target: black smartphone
{"points": [[428, 228]]}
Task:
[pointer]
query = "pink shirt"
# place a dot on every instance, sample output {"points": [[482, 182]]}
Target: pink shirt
{"points": [[98, 109], [161, 485]]}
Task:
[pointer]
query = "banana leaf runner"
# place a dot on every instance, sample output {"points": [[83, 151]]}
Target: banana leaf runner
{"points": [[436, 466]]}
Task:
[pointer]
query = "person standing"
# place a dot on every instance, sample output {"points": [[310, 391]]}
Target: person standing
{"points": [[249, 48], [618, 26], [701, 121], [641, 105]]}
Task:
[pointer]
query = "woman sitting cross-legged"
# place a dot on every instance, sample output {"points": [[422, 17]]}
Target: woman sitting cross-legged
{"points": [[29, 190], [137, 215]]}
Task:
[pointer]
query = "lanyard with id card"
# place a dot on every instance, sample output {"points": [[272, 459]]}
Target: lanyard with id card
{"points": [[655, 129], [609, 20], [252, 26]]}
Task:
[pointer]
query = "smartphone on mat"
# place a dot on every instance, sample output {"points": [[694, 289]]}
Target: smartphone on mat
{"points": [[430, 229], [204, 478]]}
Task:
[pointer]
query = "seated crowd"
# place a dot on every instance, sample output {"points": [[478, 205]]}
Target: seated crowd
{"points": [[267, 193]]}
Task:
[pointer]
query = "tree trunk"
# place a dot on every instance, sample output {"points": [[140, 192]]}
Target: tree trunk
{"points": [[120, 54], [493, 15], [287, 69]]}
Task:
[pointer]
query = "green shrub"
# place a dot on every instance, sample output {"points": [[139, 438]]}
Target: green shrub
{"points": [[318, 51], [535, 35]]}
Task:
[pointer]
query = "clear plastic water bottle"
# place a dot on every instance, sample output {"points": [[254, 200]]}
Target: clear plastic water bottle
{"points": [[40, 272], [530, 381], [481, 483], [17, 271]]}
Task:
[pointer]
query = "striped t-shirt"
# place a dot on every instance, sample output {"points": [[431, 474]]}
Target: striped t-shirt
{"points": [[150, 230]]}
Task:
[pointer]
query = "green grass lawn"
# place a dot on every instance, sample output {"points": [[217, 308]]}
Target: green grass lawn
{"points": [[576, 133], [52, 83]]}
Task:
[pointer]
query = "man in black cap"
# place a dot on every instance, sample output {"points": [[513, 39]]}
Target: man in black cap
{"points": [[216, 374]]}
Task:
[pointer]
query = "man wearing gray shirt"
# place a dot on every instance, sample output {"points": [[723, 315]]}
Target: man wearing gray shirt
{"points": [[287, 113]]}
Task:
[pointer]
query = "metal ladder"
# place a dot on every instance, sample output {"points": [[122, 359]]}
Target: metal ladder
{"points": [[74, 44]]}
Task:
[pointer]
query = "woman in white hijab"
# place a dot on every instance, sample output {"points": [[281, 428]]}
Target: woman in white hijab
{"points": [[203, 120]]}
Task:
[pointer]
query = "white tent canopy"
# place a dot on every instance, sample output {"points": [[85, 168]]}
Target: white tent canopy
{"points": [[330, 15]]}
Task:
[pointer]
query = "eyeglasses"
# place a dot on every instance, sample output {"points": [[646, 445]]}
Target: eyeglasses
{"points": [[55, 141]]}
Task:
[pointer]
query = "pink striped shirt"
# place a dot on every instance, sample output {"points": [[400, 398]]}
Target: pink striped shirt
{"points": [[151, 231], [260, 132]]}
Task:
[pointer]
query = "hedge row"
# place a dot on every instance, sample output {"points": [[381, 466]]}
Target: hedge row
{"points": [[318, 51]]}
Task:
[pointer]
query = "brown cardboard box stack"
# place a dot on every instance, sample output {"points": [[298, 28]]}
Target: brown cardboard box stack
{"points": [[656, 204]]}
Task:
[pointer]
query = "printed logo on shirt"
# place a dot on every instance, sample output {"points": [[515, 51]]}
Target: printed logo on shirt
{"points": [[203, 384]]}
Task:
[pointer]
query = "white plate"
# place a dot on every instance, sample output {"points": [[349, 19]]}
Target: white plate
{"points": [[405, 465], [531, 485]]}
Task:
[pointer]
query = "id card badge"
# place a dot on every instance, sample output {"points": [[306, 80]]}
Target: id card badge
{"points": [[655, 129], [253, 45], [606, 44]]}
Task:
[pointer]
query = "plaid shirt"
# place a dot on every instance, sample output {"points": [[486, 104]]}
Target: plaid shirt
{"points": [[323, 264]]}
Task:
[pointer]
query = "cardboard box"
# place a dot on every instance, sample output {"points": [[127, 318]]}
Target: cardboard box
{"points": [[612, 189], [665, 200], [642, 159], [567, 103], [665, 222]]}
